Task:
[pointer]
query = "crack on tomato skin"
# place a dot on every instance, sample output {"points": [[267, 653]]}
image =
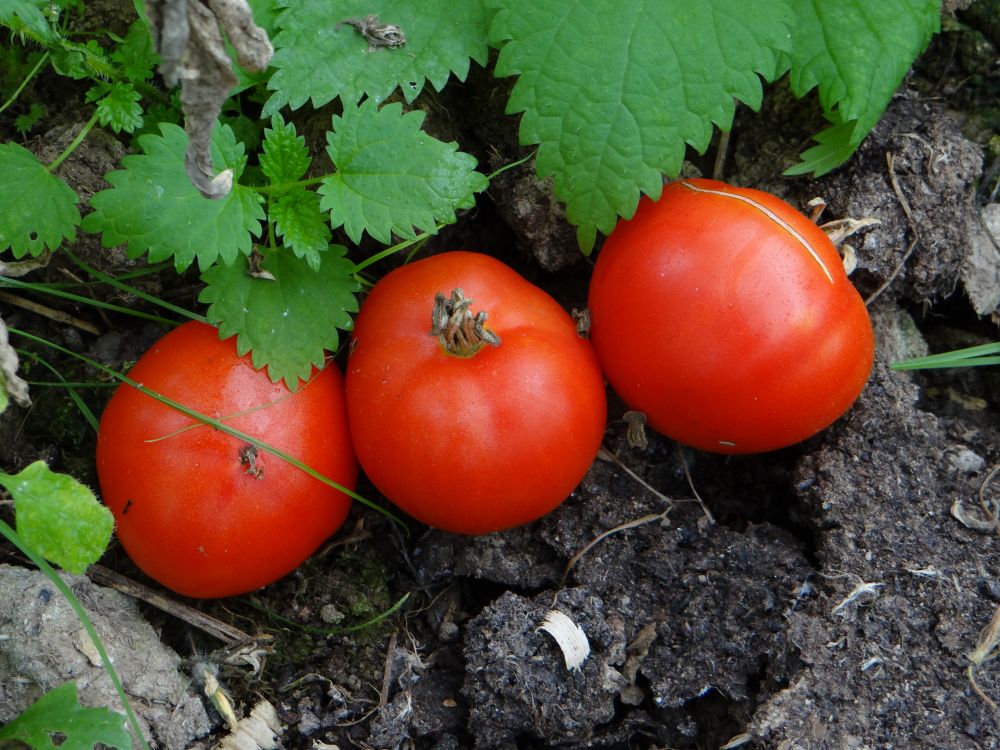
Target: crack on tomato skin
{"points": [[772, 216], [461, 333]]}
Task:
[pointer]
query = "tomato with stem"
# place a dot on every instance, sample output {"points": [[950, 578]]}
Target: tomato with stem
{"points": [[473, 403], [726, 316], [199, 510]]}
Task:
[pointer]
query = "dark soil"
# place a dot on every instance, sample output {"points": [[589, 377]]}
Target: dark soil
{"points": [[832, 603]]}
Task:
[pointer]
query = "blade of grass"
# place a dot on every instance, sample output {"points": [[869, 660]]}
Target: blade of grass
{"points": [[84, 409], [117, 283], [27, 285], [973, 356]]}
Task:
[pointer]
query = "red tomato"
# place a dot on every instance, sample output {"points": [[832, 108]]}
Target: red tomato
{"points": [[478, 442], [725, 315], [199, 510]]}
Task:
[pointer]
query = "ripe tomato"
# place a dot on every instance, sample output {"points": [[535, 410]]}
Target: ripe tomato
{"points": [[471, 442], [197, 509], [725, 315]]}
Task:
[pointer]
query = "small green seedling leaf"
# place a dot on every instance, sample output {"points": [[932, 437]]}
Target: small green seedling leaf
{"points": [[117, 106], [855, 53], [287, 321], [134, 53], [319, 57], [154, 208], [57, 720], [58, 517], [285, 157], [37, 210], [392, 177], [612, 93]]}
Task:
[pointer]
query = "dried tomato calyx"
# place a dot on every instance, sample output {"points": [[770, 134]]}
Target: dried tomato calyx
{"points": [[460, 332]]}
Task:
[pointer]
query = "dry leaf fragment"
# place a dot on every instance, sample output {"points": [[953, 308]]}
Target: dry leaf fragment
{"points": [[9, 379], [568, 636], [186, 34], [258, 731]]}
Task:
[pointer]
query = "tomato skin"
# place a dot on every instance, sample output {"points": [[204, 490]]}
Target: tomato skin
{"points": [[480, 443], [713, 318], [187, 510]]}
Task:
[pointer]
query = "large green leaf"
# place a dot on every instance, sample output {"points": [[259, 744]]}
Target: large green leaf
{"points": [[391, 176], [153, 206], [612, 91], [319, 57], [37, 209]]}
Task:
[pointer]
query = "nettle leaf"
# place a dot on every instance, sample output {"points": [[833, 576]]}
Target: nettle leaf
{"points": [[117, 106], [391, 176], [154, 208], [37, 209], [135, 54], [286, 322], [285, 157], [301, 224], [319, 57], [27, 15], [58, 517], [856, 53], [58, 714], [613, 91]]}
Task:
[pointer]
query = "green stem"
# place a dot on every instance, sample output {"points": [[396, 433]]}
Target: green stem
{"points": [[359, 267], [205, 419], [50, 573], [31, 74], [75, 142]]}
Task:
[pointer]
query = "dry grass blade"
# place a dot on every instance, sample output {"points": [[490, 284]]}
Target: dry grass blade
{"points": [[987, 648]]}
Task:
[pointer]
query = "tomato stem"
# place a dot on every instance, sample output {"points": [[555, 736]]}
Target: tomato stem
{"points": [[460, 332]]}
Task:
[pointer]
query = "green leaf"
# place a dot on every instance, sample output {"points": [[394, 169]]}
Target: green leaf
{"points": [[38, 211], [26, 15], [135, 54], [286, 323], [285, 157], [855, 53], [391, 176], [58, 714], [154, 208], [58, 517], [117, 106], [319, 57], [613, 92], [25, 122], [300, 222]]}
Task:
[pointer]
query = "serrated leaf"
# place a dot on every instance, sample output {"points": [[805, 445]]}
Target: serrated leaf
{"points": [[58, 517], [119, 108], [154, 208], [835, 145], [23, 14], [299, 221], [135, 54], [318, 58], [285, 157], [393, 178], [855, 53], [38, 210], [58, 713], [613, 92], [286, 323]]}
